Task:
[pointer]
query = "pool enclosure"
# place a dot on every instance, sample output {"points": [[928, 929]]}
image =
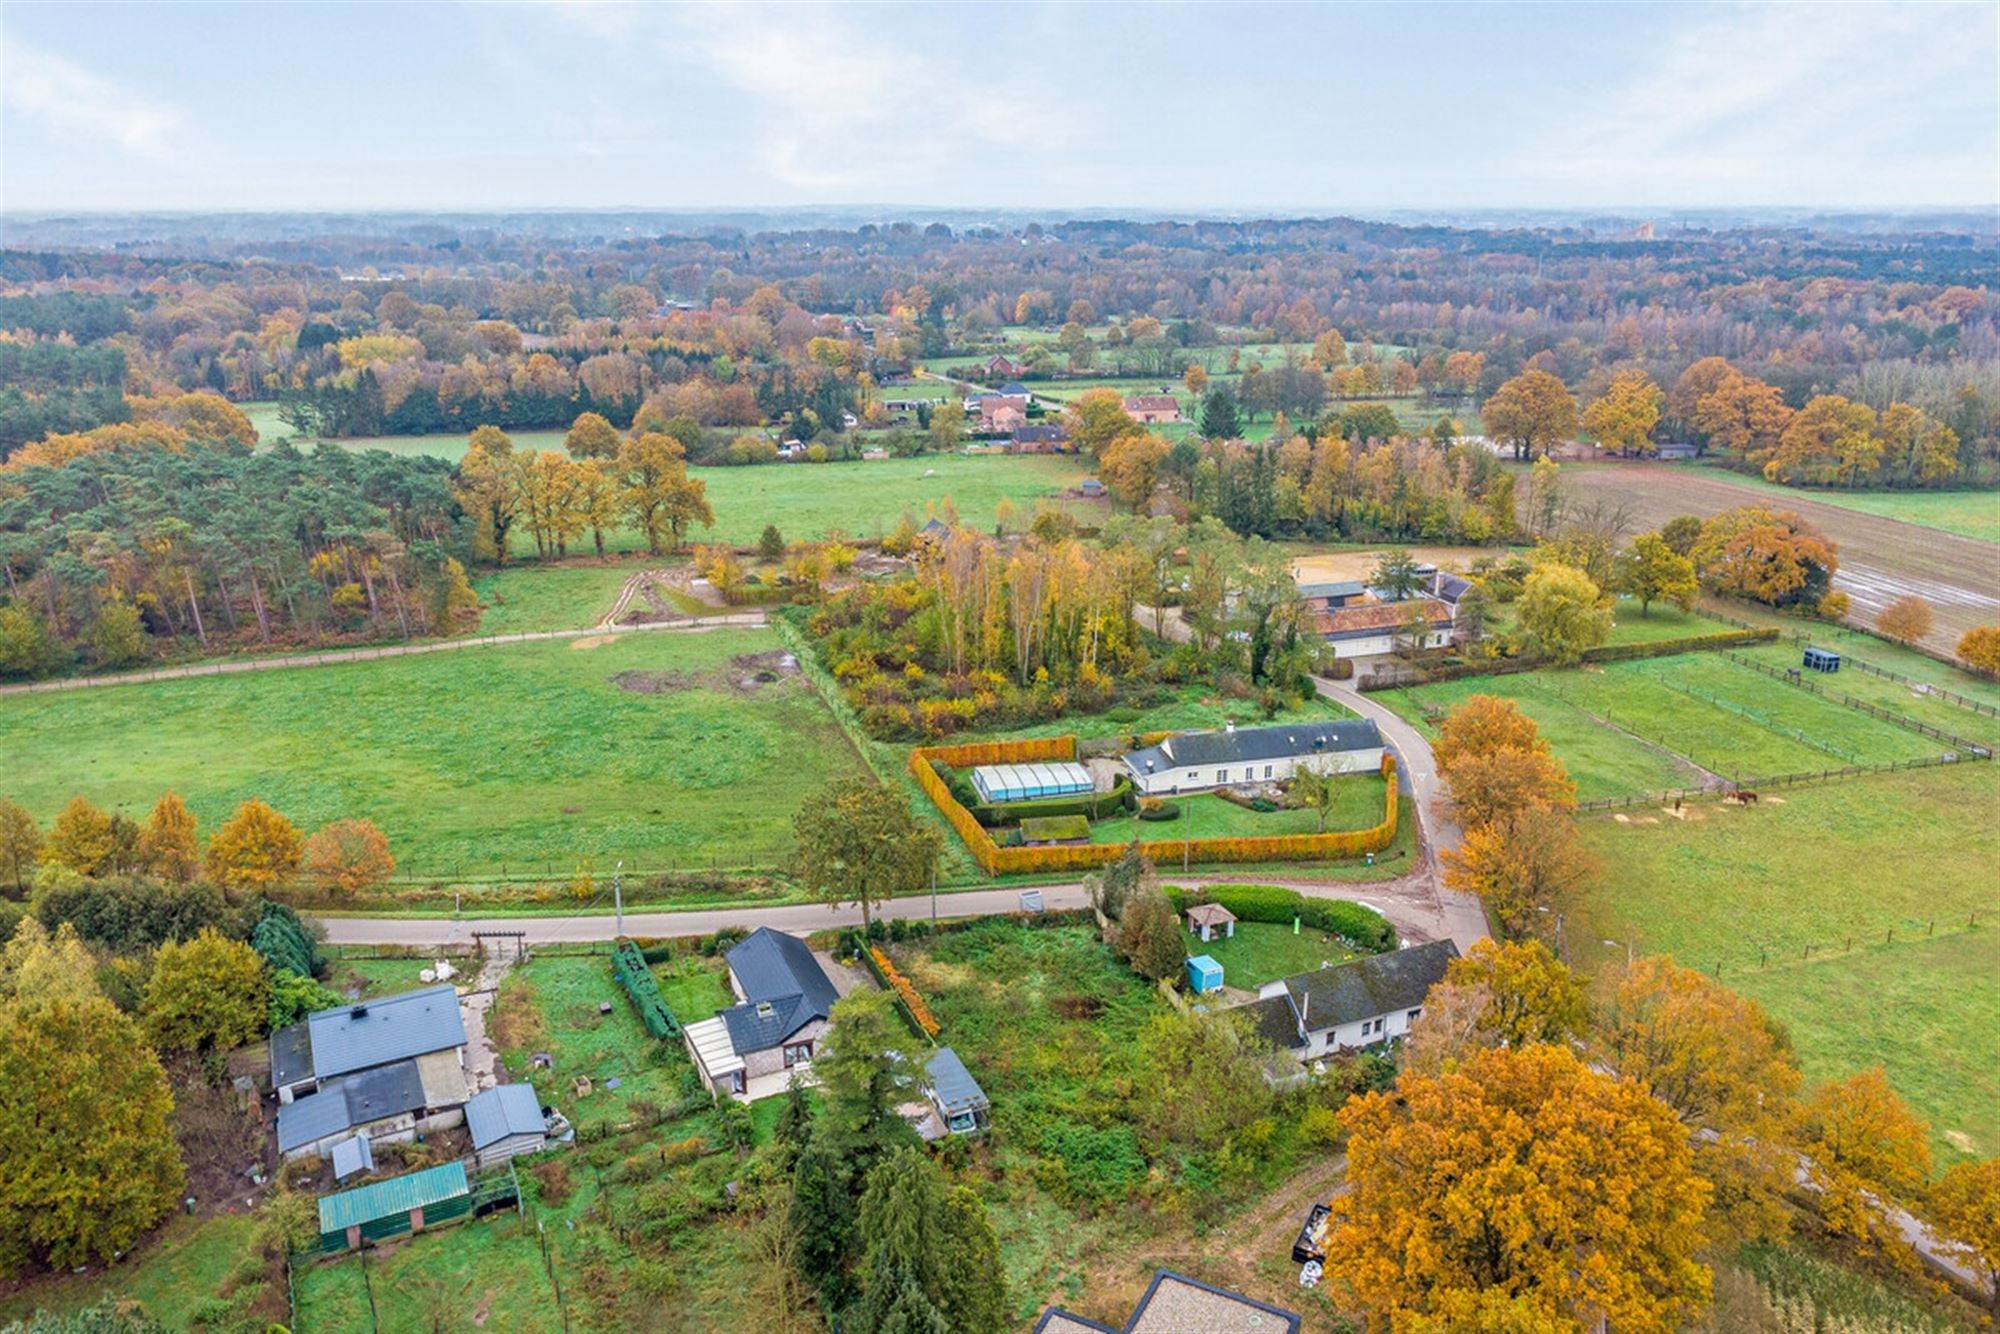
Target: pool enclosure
{"points": [[1026, 782]]}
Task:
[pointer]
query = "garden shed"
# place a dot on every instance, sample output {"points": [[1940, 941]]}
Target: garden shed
{"points": [[1204, 974], [382, 1209], [1027, 782], [1822, 659], [504, 1121]]}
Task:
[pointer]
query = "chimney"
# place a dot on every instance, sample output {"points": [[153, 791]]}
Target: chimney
{"points": [[1229, 727]]}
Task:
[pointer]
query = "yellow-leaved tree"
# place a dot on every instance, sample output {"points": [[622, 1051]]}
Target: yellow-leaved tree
{"points": [[1522, 1192], [167, 846], [1623, 417], [1865, 1150], [210, 993], [256, 848], [82, 838]]}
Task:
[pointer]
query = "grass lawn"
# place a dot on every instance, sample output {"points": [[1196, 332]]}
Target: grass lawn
{"points": [[694, 987], [1185, 708], [551, 1004], [1823, 866], [1208, 816], [186, 1266], [529, 597], [487, 1272], [383, 977], [1260, 952], [527, 756]]}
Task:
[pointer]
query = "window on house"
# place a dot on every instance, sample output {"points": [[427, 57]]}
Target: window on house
{"points": [[1222, 775], [1411, 1018], [1267, 771], [797, 1052]]}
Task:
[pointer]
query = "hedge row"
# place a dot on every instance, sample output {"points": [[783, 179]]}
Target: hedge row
{"points": [[628, 965], [996, 860], [1358, 924], [1661, 648], [906, 991]]}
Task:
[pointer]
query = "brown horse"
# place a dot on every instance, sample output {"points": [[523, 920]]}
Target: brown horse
{"points": [[1743, 797]]}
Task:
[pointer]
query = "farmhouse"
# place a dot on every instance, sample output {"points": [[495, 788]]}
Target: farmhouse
{"points": [[1198, 761], [392, 1068], [1356, 1004], [1039, 437], [1176, 1304], [1153, 409], [1376, 629], [999, 367], [750, 1050], [505, 1121]]}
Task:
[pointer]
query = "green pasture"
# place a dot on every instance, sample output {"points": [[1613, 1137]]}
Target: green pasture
{"points": [[529, 757], [485, 1273], [694, 988], [188, 1267], [551, 1004], [532, 597], [1862, 872]]}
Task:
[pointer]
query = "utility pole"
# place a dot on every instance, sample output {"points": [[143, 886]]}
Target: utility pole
{"points": [[934, 916], [618, 895]]}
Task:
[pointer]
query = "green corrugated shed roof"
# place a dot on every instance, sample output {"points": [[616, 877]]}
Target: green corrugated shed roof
{"points": [[397, 1195]]}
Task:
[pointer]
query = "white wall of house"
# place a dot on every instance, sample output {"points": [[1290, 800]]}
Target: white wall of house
{"points": [[1375, 646], [501, 1150], [1204, 777], [1360, 1033]]}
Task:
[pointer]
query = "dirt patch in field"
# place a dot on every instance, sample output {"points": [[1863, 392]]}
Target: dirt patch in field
{"points": [[754, 671], [1334, 566], [652, 683], [592, 641]]}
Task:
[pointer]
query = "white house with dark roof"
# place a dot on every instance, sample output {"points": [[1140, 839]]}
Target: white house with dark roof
{"points": [[1350, 1005], [392, 1068], [1240, 756], [785, 1003], [1176, 1304]]}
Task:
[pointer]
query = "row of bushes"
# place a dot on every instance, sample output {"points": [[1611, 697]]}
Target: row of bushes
{"points": [[1661, 648], [914, 1009], [996, 860], [1358, 924]]}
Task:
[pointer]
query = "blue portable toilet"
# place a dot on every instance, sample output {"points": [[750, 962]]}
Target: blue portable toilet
{"points": [[1204, 974]]}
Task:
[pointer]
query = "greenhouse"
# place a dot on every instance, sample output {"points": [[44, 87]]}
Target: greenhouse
{"points": [[1026, 782]]}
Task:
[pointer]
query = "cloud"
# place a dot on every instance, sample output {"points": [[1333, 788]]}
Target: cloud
{"points": [[831, 105], [1787, 103], [44, 86]]}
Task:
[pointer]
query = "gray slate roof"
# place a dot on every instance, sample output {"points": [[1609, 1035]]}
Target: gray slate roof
{"points": [[1339, 588], [509, 1109], [377, 1032], [1364, 988], [957, 1091], [357, 1100], [784, 989], [1274, 1019], [291, 1055], [1279, 741]]}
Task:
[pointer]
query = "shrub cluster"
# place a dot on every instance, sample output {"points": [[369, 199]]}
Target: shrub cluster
{"points": [[1359, 925]]}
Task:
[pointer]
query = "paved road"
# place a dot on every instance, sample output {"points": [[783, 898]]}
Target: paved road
{"points": [[1417, 772], [1408, 903], [337, 657]]}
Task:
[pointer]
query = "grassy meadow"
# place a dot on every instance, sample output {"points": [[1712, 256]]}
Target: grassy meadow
{"points": [[526, 756], [1262, 952], [1838, 868]]}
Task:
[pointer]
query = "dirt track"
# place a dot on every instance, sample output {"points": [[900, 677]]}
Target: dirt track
{"points": [[1880, 559]]}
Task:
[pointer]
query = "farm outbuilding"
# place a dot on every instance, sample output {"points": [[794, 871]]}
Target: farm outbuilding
{"points": [[1026, 782], [506, 1121], [1204, 974], [1822, 659], [383, 1209]]}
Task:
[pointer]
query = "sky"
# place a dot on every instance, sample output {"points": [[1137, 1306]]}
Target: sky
{"points": [[1191, 108]]}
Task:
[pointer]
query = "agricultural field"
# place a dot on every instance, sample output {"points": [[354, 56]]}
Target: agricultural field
{"points": [[644, 747], [1881, 558], [1877, 878], [1974, 514]]}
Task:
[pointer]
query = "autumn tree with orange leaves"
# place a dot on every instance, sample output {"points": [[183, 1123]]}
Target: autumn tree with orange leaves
{"points": [[167, 844], [1906, 620], [1519, 864], [1965, 1206], [1727, 1071], [1523, 1191], [348, 856], [1865, 1150], [1766, 555], [256, 848], [1980, 647]]}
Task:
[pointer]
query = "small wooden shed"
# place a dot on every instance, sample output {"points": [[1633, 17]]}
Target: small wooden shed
{"points": [[1211, 921]]}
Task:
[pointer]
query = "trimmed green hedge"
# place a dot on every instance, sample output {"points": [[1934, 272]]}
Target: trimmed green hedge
{"points": [[1661, 648], [1360, 926]]}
